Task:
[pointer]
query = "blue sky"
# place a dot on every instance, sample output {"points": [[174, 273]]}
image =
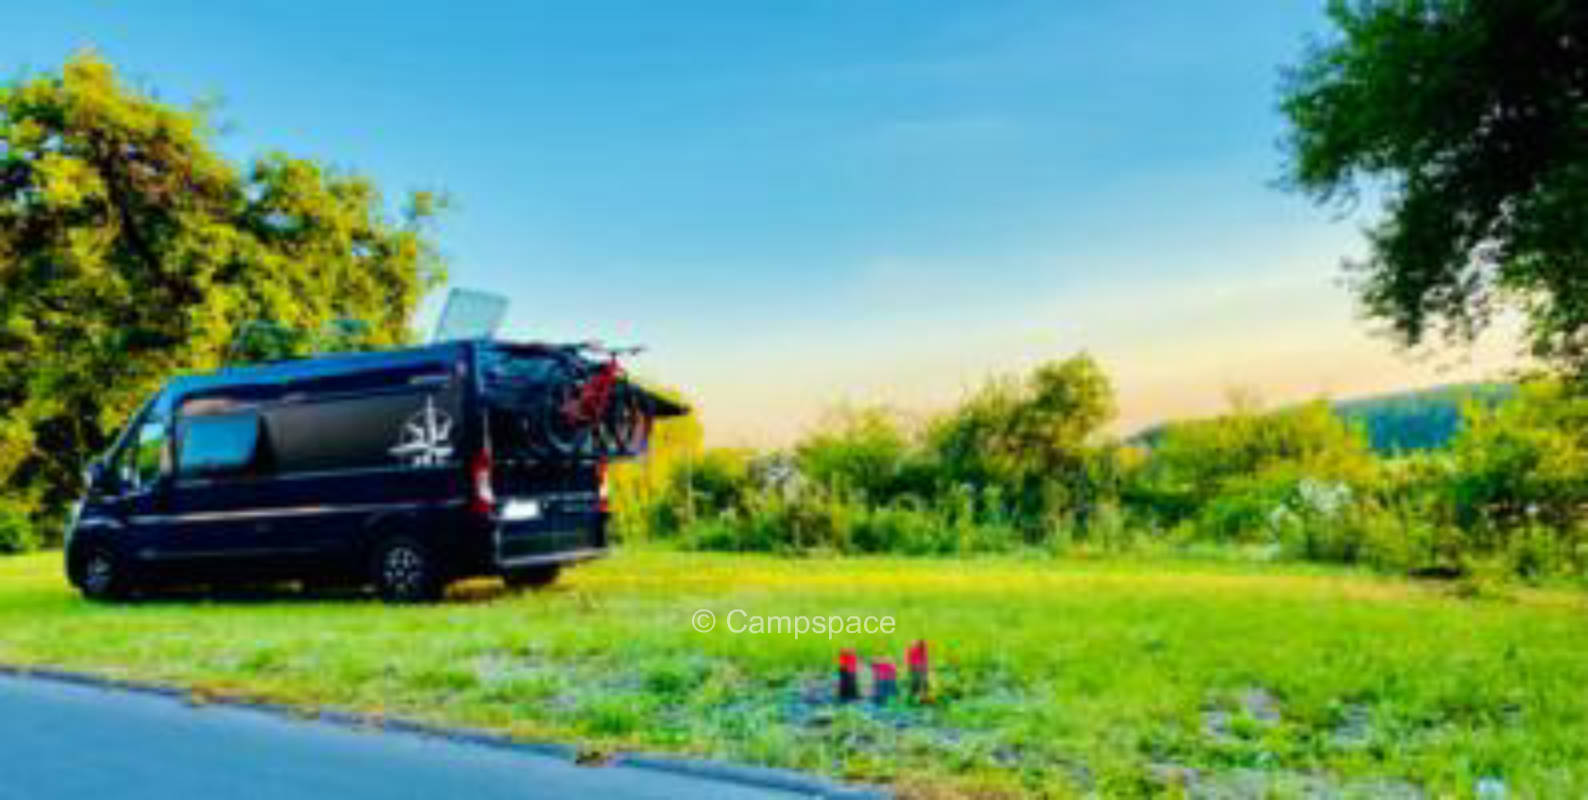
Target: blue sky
{"points": [[797, 204]]}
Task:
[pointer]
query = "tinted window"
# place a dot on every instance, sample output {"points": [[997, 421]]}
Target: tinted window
{"points": [[218, 444], [144, 457], [506, 366]]}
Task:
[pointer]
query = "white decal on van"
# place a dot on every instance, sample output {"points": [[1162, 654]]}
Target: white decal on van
{"points": [[426, 437]]}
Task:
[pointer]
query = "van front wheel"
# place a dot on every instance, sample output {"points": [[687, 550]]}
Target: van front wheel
{"points": [[405, 572], [102, 577]]}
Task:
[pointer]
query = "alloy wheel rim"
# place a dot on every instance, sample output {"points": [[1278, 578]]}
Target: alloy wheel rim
{"points": [[404, 570], [97, 573]]}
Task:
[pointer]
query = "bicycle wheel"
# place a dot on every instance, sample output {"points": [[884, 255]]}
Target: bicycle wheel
{"points": [[561, 433], [603, 442], [628, 420]]}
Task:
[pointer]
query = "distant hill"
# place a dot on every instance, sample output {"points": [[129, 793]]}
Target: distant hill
{"points": [[1418, 419]]}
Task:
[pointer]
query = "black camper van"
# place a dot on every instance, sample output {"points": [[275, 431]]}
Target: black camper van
{"points": [[400, 469]]}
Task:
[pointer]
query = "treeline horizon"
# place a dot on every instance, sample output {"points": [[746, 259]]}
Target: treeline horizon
{"points": [[1421, 418], [1456, 479]]}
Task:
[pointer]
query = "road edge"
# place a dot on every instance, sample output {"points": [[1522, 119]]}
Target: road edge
{"points": [[742, 774]]}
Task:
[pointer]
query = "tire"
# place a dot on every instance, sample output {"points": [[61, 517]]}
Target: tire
{"points": [[628, 421], [532, 577], [405, 571], [604, 441], [103, 576], [559, 435]]}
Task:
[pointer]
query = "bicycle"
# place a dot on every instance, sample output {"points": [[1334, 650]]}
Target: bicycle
{"points": [[590, 408]]}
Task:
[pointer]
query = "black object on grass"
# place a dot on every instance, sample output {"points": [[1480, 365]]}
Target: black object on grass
{"points": [[848, 680], [915, 659]]}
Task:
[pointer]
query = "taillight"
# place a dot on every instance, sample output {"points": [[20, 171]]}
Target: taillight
{"points": [[603, 499], [483, 499]]}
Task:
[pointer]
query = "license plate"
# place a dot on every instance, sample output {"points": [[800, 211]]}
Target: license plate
{"points": [[515, 510]]}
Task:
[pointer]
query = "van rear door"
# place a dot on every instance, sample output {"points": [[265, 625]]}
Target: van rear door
{"points": [[547, 511]]}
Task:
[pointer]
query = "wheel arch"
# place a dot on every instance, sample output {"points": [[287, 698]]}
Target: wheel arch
{"points": [[384, 525], [83, 540]]}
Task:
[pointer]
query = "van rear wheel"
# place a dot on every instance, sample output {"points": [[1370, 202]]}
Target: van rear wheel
{"points": [[532, 577], [405, 572]]}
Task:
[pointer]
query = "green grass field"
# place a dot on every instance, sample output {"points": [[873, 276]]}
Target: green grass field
{"points": [[1053, 676]]}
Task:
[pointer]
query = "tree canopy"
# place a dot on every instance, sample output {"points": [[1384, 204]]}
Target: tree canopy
{"points": [[1028, 425], [130, 249], [861, 447], [1471, 116]]}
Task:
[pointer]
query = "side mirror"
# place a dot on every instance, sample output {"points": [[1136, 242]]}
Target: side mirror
{"points": [[94, 474]]}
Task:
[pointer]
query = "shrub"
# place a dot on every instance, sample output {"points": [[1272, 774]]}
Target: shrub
{"points": [[1532, 552], [1251, 509], [1017, 466], [900, 529], [1391, 543], [1196, 461], [991, 537], [17, 533], [1109, 527], [861, 450]]}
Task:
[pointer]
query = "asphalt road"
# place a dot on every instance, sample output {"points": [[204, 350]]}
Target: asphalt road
{"points": [[59, 740]]}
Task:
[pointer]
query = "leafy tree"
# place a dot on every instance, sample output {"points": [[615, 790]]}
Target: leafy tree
{"points": [[860, 449], [1033, 425], [1034, 435], [130, 250], [1195, 460], [1525, 459], [709, 483], [1470, 116], [17, 532]]}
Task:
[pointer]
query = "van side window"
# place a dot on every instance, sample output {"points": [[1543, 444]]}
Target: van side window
{"points": [[218, 445], [145, 458]]}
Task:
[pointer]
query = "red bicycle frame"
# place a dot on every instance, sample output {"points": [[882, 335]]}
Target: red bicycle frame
{"points": [[595, 394]]}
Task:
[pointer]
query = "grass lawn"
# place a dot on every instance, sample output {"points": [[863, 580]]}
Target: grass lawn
{"points": [[1053, 676]]}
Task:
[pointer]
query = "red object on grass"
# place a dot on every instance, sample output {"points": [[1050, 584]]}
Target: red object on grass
{"points": [[883, 670], [916, 657], [847, 661], [848, 680], [884, 681]]}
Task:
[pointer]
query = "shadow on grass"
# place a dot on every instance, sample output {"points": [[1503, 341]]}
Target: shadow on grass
{"points": [[466, 592]]}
